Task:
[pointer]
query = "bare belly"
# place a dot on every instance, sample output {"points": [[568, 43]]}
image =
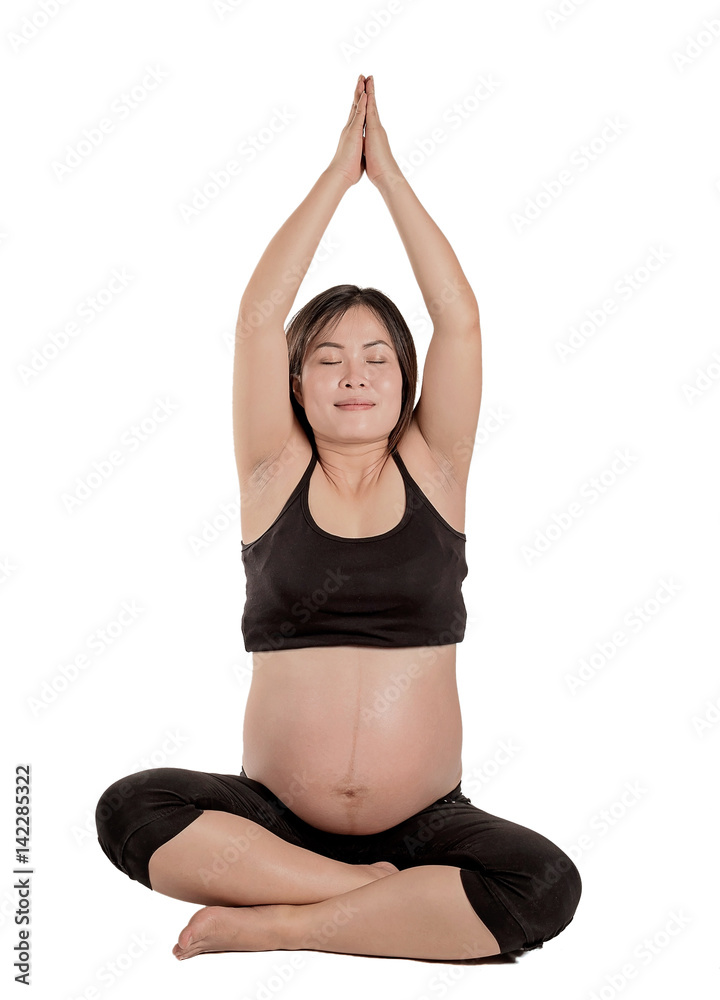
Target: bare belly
{"points": [[354, 739]]}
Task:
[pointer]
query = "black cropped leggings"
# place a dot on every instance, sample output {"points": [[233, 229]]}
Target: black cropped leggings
{"points": [[520, 884]]}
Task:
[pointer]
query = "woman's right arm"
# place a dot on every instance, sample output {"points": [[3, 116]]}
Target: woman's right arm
{"points": [[262, 412]]}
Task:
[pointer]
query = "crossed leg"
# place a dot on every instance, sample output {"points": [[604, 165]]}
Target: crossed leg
{"points": [[420, 912], [277, 896], [188, 834]]}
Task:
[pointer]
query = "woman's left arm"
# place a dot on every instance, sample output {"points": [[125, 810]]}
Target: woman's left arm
{"points": [[449, 405]]}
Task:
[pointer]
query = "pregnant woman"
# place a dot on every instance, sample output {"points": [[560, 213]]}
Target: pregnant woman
{"points": [[346, 829]]}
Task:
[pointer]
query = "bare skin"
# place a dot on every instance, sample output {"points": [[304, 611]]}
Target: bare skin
{"points": [[254, 928], [225, 859], [325, 730], [349, 923]]}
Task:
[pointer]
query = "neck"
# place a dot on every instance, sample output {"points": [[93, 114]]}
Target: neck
{"points": [[352, 467]]}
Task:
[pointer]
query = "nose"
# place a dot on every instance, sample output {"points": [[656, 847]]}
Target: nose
{"points": [[352, 377]]}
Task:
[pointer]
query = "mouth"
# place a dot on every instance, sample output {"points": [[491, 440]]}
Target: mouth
{"points": [[354, 406]]}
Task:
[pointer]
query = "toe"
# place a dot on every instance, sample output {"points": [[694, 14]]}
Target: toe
{"points": [[185, 939]]}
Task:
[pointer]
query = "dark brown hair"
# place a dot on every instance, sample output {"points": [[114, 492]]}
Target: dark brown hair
{"points": [[323, 312]]}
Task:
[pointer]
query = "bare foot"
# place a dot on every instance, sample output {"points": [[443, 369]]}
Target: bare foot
{"points": [[231, 928], [246, 928]]}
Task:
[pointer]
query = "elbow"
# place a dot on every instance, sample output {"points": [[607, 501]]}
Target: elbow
{"points": [[255, 316], [461, 315]]}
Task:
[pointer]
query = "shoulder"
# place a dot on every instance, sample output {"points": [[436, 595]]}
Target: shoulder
{"points": [[419, 457], [435, 474]]}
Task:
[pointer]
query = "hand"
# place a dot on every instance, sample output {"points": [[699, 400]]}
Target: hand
{"points": [[348, 159], [379, 161]]}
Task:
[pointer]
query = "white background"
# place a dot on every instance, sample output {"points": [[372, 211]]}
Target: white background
{"points": [[642, 381]]}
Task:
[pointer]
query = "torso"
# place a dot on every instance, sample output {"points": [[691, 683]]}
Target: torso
{"points": [[353, 739]]}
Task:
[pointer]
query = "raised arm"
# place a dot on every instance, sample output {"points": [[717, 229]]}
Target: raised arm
{"points": [[262, 412], [449, 406]]}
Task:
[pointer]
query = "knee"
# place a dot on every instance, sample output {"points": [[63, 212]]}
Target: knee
{"points": [[554, 897], [525, 890], [122, 806]]}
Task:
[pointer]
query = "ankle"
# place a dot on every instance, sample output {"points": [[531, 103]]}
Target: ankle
{"points": [[290, 928]]}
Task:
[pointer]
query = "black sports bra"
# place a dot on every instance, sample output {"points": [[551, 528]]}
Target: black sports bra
{"points": [[306, 587]]}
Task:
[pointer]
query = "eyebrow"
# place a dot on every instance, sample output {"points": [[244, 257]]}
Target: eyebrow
{"points": [[330, 343]]}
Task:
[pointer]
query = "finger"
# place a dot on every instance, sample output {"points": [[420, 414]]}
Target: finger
{"points": [[360, 109], [359, 92], [359, 105], [372, 105], [359, 89]]}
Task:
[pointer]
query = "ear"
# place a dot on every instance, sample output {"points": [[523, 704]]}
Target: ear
{"points": [[297, 391]]}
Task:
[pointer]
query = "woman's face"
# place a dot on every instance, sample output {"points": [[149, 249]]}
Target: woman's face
{"points": [[356, 360]]}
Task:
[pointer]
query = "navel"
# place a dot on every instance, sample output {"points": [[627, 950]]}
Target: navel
{"points": [[351, 791]]}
